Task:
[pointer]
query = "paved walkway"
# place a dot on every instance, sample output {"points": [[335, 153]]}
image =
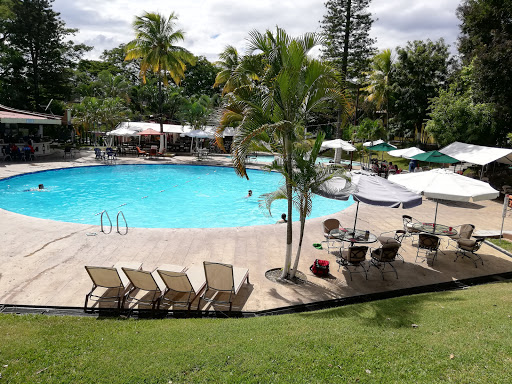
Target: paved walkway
{"points": [[43, 261]]}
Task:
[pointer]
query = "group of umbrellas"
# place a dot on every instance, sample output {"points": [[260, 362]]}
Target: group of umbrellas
{"points": [[405, 190]]}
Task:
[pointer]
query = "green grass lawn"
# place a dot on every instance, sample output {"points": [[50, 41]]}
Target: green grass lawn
{"points": [[449, 337], [502, 243]]}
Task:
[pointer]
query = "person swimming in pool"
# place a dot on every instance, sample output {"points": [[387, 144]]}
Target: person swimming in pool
{"points": [[41, 186], [283, 219], [249, 194]]}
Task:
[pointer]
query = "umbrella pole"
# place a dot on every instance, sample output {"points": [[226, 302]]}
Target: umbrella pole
{"points": [[355, 221], [435, 218]]}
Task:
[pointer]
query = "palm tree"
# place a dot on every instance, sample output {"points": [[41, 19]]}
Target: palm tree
{"points": [[155, 37], [306, 177], [378, 89], [273, 110]]}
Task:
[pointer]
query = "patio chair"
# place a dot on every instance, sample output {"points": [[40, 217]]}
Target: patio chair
{"points": [[409, 229], [68, 152], [108, 284], [140, 152], [98, 154], [427, 244], [465, 231], [6, 152], [144, 289], [468, 247], [383, 256], [331, 240], [223, 279], [391, 238], [182, 288], [353, 256]]}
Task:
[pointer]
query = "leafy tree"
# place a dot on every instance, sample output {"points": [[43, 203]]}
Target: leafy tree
{"points": [[197, 110], [115, 57], [272, 111], [154, 46], [456, 116], [37, 35], [486, 43], [420, 72], [200, 78]]}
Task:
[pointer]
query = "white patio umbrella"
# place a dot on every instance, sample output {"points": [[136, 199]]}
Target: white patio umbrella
{"points": [[338, 143], [406, 153], [369, 189], [442, 184]]}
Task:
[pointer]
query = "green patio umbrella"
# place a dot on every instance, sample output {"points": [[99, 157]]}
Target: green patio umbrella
{"points": [[435, 157], [382, 147]]}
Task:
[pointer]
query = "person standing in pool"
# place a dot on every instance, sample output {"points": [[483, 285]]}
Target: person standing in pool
{"points": [[283, 219]]}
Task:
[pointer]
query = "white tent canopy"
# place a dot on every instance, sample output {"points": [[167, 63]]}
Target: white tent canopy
{"points": [[406, 153], [338, 143], [130, 128], [477, 154]]}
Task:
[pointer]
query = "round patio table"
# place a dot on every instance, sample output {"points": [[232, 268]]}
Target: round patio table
{"points": [[353, 236], [437, 229]]}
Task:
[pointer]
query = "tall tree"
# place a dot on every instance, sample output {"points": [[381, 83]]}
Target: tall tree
{"points": [[200, 78], [348, 45], [38, 34], [486, 43], [154, 44], [420, 71], [291, 87], [379, 87]]}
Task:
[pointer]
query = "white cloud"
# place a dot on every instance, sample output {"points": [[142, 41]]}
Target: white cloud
{"points": [[210, 25]]}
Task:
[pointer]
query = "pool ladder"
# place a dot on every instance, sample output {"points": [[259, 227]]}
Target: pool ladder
{"points": [[119, 214]]}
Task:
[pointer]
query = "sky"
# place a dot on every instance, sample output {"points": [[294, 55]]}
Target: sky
{"points": [[211, 25]]}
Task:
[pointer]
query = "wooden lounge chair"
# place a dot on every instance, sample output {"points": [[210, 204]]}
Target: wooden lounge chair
{"points": [[144, 289], [109, 283], [223, 279], [182, 288]]}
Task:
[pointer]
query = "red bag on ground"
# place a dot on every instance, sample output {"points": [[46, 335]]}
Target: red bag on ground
{"points": [[320, 267]]}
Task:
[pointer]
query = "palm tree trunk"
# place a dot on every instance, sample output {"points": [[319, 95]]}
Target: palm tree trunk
{"points": [[299, 248], [160, 102], [289, 228]]}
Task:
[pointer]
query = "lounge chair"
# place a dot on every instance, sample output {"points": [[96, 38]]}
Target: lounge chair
{"points": [[182, 288], [144, 289], [427, 244], [353, 257], [141, 152], [468, 247], [223, 279], [109, 284], [383, 256]]}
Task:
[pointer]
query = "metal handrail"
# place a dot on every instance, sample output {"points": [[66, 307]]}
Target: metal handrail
{"points": [[125, 222], [101, 221]]}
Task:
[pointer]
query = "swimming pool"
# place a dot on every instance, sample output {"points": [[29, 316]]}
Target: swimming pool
{"points": [[151, 196]]}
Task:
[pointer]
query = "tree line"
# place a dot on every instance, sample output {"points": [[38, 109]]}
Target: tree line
{"points": [[419, 87]]}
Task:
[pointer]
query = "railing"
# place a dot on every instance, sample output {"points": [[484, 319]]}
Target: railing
{"points": [[120, 213], [101, 221]]}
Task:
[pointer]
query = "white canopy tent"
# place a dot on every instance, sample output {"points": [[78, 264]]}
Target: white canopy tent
{"points": [[338, 143], [130, 128], [477, 154], [406, 153]]}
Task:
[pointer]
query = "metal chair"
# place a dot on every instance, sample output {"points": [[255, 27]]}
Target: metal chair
{"points": [[409, 229], [468, 247], [353, 256], [428, 244], [395, 238], [465, 232], [332, 241], [383, 256]]}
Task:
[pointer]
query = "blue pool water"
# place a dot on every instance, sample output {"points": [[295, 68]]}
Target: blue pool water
{"points": [[151, 196]]}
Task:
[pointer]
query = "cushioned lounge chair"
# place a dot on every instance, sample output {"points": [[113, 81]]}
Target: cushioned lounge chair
{"points": [[182, 288], [223, 279], [140, 152]]}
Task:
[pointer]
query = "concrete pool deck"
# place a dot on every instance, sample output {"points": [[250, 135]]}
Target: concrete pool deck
{"points": [[43, 260]]}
